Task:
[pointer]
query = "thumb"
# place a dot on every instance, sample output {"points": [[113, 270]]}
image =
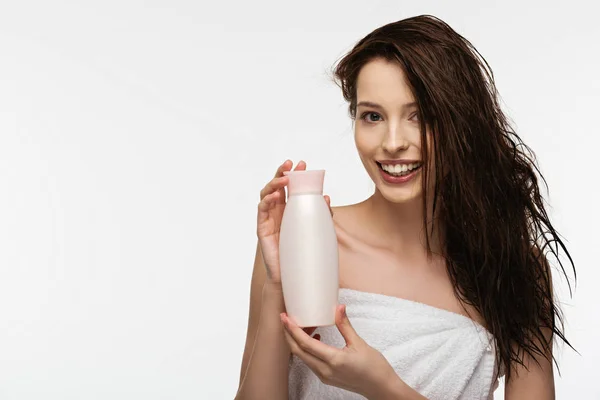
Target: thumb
{"points": [[344, 326], [328, 201]]}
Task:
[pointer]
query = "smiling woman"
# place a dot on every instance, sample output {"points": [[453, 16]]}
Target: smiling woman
{"points": [[445, 281], [387, 133]]}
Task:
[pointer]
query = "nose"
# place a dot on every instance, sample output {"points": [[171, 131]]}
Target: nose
{"points": [[394, 140]]}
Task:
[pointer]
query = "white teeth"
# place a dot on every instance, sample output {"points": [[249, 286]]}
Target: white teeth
{"points": [[399, 168]]}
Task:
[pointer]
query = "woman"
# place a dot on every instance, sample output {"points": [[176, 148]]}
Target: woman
{"points": [[443, 270]]}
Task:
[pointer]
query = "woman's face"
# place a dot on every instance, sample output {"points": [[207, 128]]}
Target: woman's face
{"points": [[386, 131]]}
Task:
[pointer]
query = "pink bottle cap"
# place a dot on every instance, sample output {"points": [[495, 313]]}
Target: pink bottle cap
{"points": [[303, 182]]}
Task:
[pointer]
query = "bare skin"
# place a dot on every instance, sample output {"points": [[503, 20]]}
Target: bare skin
{"points": [[385, 267], [381, 250]]}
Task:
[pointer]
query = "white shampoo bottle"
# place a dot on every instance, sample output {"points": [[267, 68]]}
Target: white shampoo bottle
{"points": [[308, 252]]}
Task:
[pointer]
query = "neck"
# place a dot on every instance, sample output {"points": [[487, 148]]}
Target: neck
{"points": [[401, 224]]}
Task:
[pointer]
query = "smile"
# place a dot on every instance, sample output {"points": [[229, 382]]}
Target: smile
{"points": [[399, 173]]}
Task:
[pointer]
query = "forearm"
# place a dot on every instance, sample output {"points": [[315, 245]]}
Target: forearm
{"points": [[267, 372], [395, 388], [405, 392]]}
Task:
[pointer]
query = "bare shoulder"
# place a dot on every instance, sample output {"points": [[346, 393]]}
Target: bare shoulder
{"points": [[345, 218], [348, 214], [342, 213]]}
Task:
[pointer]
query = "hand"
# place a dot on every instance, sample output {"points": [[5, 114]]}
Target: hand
{"points": [[270, 213], [357, 367]]}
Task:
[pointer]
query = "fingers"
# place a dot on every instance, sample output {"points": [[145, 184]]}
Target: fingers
{"points": [[314, 363], [328, 201], [274, 185], [279, 181], [307, 344], [268, 202], [287, 164], [344, 326], [301, 166]]}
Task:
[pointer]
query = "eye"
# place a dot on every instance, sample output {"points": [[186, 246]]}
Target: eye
{"points": [[366, 114], [415, 117]]}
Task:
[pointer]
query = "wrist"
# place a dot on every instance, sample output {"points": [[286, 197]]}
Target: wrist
{"points": [[391, 389], [398, 390], [404, 392]]}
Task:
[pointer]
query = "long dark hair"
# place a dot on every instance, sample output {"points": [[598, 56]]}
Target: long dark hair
{"points": [[497, 233]]}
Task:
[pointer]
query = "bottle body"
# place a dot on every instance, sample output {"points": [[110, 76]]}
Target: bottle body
{"points": [[308, 252]]}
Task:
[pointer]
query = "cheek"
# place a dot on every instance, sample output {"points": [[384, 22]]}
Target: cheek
{"points": [[362, 145], [366, 140], [366, 152]]}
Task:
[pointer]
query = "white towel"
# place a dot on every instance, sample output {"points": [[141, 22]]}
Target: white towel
{"points": [[439, 353]]}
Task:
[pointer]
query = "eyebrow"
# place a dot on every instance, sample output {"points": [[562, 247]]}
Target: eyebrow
{"points": [[379, 107]]}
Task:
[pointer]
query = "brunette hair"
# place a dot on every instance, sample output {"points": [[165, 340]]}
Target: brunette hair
{"points": [[496, 230]]}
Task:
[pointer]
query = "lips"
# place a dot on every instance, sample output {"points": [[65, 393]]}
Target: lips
{"points": [[399, 168], [397, 179]]}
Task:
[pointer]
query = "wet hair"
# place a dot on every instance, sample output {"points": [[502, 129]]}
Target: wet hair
{"points": [[496, 230]]}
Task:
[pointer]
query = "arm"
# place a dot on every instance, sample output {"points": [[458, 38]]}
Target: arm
{"points": [[264, 371], [537, 380], [535, 383], [357, 367], [397, 389]]}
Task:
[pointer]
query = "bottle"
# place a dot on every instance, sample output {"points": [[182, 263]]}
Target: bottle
{"points": [[308, 252]]}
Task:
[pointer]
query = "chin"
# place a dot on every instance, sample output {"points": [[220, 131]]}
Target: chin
{"points": [[403, 193], [400, 196]]}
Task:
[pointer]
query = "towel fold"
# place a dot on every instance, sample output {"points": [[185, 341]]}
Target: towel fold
{"points": [[439, 353]]}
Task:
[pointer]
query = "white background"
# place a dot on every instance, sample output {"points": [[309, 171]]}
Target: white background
{"points": [[135, 137]]}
